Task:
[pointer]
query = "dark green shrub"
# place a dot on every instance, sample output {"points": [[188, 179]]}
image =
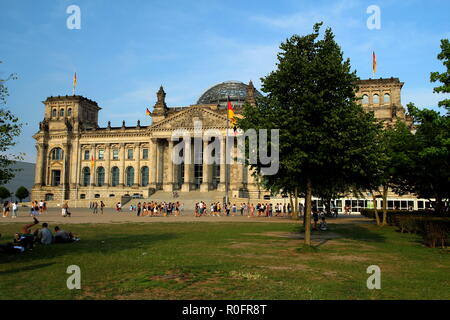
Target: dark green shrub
{"points": [[434, 228]]}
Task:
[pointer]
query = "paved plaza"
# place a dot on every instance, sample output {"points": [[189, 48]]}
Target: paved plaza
{"points": [[85, 215]]}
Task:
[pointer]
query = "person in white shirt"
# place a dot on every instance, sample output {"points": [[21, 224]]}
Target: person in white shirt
{"points": [[15, 207]]}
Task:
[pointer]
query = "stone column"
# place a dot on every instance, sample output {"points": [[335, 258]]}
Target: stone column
{"points": [[137, 173], [92, 167], [221, 186], [204, 187], [108, 164], [38, 175], [168, 185], [187, 166], [122, 167], [153, 162], [73, 163]]}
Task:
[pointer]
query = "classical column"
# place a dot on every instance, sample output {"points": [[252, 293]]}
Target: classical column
{"points": [[153, 162], [122, 167], [73, 163], [108, 164], [93, 156], [38, 175], [221, 186], [187, 165], [204, 187], [45, 156], [168, 185], [137, 174]]}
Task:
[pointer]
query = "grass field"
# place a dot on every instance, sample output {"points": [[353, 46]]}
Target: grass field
{"points": [[226, 261]]}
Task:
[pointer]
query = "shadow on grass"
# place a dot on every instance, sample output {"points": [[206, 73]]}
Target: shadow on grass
{"points": [[345, 231], [104, 245], [28, 268]]}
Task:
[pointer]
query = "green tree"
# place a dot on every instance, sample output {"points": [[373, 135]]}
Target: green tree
{"points": [[325, 136], [10, 128], [4, 193], [444, 77], [425, 168], [22, 193]]}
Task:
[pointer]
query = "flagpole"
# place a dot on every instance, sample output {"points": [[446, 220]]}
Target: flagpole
{"points": [[225, 158]]}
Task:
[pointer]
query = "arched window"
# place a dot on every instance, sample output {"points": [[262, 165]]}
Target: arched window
{"points": [[114, 176], [61, 113], [54, 113], [86, 176], [376, 99], [387, 98], [130, 176], [144, 176], [69, 112], [100, 176], [57, 154], [365, 99]]}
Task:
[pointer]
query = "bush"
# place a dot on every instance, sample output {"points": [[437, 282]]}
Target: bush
{"points": [[4, 193], [434, 228], [22, 193]]}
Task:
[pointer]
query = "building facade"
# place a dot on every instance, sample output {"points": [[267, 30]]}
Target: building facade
{"points": [[78, 160]]}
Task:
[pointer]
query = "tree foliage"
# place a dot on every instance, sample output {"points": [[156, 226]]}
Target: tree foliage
{"points": [[22, 193], [4, 193], [10, 128], [444, 77], [326, 139], [426, 162]]}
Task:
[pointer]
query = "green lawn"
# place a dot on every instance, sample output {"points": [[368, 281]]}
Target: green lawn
{"points": [[225, 261]]}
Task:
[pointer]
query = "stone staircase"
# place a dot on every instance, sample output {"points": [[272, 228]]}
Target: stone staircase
{"points": [[187, 198]]}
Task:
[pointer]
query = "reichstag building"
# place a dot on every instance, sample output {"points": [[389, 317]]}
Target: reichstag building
{"points": [[79, 160]]}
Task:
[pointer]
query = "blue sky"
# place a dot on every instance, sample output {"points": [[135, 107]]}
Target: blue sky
{"points": [[126, 49]]}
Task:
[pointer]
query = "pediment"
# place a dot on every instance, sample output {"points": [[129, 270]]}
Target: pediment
{"points": [[185, 119]]}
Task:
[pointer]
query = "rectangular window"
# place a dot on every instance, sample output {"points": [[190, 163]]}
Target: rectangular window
{"points": [[145, 154], [86, 154], [56, 177], [101, 154], [116, 154], [130, 154]]}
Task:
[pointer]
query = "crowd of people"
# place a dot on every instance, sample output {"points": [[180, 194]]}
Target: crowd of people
{"points": [[242, 209], [25, 239], [36, 208], [158, 209]]}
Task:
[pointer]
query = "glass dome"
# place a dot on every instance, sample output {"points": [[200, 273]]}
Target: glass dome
{"points": [[236, 91]]}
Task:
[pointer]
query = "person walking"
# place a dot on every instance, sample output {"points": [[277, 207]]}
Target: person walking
{"points": [[95, 207], [102, 205], [15, 207], [5, 209], [65, 209]]}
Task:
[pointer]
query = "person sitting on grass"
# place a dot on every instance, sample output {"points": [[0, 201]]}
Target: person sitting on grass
{"points": [[11, 248], [323, 225], [26, 238], [62, 236], [44, 235]]}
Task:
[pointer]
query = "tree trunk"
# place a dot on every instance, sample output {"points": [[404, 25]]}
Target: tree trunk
{"points": [[295, 216], [326, 203], [385, 193], [377, 217], [308, 199], [292, 204]]}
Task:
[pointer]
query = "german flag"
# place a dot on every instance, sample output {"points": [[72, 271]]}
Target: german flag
{"points": [[147, 112], [374, 63], [231, 116], [92, 162]]}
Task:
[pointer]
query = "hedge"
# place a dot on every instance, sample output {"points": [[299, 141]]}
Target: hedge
{"points": [[434, 228]]}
